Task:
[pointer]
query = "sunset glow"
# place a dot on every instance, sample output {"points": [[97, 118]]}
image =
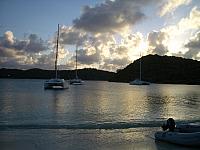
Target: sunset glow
{"points": [[110, 34]]}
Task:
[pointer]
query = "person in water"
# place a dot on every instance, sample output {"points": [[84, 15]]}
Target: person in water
{"points": [[170, 125]]}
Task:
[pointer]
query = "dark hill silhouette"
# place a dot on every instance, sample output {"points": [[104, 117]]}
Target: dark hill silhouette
{"points": [[161, 69], [155, 69], [35, 73]]}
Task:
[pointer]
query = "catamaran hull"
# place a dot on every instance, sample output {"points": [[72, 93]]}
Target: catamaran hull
{"points": [[54, 84], [139, 82], [76, 82]]}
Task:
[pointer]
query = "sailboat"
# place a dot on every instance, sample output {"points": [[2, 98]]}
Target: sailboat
{"points": [[76, 80], [139, 81], [55, 83]]}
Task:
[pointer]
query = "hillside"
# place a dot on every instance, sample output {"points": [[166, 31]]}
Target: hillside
{"points": [[85, 74], [155, 69], [161, 69]]}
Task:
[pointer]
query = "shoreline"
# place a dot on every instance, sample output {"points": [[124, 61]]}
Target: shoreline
{"points": [[101, 139]]}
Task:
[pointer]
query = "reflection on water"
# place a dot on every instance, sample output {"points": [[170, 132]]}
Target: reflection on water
{"points": [[174, 101], [25, 101], [96, 115]]}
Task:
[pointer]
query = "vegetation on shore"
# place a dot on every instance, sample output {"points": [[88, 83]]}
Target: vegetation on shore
{"points": [[161, 69], [85, 74], [155, 69]]}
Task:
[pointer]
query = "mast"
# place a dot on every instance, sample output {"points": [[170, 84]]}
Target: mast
{"points": [[140, 67], [56, 69], [76, 62]]}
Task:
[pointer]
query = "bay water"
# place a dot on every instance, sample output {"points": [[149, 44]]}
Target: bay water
{"points": [[97, 115]]}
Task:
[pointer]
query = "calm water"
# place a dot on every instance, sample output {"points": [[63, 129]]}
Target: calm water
{"points": [[97, 115]]}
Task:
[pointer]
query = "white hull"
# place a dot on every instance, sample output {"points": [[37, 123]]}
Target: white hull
{"points": [[76, 82], [185, 139], [55, 84], [139, 82]]}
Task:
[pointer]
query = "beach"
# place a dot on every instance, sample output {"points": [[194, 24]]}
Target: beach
{"points": [[126, 139]]}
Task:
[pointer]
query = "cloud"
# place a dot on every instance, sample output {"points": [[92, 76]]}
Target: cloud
{"points": [[114, 64], [27, 61], [111, 16], [102, 38], [170, 6], [17, 53], [7, 47], [178, 34], [72, 36], [193, 47], [85, 57], [191, 22], [117, 58], [95, 50], [34, 44], [6, 52], [156, 40], [7, 39]]}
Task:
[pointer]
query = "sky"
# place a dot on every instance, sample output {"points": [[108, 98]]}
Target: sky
{"points": [[109, 34]]}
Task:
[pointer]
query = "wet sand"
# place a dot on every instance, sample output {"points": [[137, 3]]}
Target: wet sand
{"points": [[100, 139]]}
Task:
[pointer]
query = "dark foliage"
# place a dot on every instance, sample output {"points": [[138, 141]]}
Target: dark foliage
{"points": [[155, 69], [161, 69], [85, 74]]}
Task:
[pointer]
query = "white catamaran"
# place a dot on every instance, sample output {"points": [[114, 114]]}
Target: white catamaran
{"points": [[139, 81], [55, 83], [76, 80]]}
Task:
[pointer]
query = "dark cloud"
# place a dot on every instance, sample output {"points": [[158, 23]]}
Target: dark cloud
{"points": [[193, 47], [115, 63], [33, 44], [120, 62], [6, 52], [179, 54], [156, 45], [121, 51], [28, 61], [118, 58], [46, 59], [111, 16], [72, 36], [95, 47], [84, 57], [17, 53], [9, 63], [20, 45]]}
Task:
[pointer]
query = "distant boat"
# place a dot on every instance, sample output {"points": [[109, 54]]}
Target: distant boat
{"points": [[55, 83], [139, 81], [76, 80]]}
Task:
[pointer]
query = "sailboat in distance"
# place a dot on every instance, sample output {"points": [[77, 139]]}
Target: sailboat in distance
{"points": [[55, 83], [76, 80], [139, 81]]}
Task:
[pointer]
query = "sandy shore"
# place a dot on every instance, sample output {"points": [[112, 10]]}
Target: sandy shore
{"points": [[63, 139]]}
